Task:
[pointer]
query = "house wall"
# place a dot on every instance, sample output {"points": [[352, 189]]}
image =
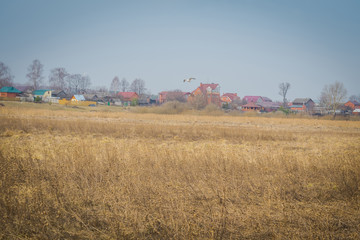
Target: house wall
{"points": [[7, 95], [161, 98], [310, 105], [47, 94], [247, 109], [303, 108], [214, 98]]}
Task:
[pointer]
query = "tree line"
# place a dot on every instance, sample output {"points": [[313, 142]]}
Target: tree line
{"points": [[137, 85], [60, 79]]}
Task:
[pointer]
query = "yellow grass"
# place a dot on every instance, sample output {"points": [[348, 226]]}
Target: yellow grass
{"points": [[105, 173]]}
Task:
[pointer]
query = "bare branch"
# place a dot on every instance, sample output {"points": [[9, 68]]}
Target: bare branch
{"points": [[284, 87], [34, 75], [6, 79]]}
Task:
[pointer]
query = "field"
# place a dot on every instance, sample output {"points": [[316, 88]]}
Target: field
{"points": [[93, 173]]}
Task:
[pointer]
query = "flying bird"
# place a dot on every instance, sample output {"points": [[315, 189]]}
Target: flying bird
{"points": [[189, 79]]}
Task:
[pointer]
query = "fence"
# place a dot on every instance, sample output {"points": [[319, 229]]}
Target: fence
{"points": [[9, 99], [76, 103]]}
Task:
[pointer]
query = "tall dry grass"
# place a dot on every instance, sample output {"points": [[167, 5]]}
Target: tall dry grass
{"points": [[84, 175]]}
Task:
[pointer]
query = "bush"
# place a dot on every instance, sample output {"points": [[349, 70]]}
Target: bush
{"points": [[37, 99], [286, 111], [135, 102]]}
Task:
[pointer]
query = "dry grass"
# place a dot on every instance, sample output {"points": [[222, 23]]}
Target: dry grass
{"points": [[73, 173]]}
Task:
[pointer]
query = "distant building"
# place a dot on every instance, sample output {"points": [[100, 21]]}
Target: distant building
{"points": [[211, 93], [9, 92], [251, 106], [353, 105], [270, 106], [302, 104], [127, 97], [253, 99], [229, 98], [43, 94], [59, 94], [78, 98]]}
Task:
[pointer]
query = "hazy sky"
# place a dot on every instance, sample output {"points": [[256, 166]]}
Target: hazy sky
{"points": [[248, 47]]}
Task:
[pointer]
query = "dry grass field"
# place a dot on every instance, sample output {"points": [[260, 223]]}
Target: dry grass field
{"points": [[92, 173]]}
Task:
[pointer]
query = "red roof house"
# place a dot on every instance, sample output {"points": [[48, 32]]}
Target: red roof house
{"points": [[127, 96], [254, 99], [251, 106], [353, 105], [229, 97], [211, 92]]}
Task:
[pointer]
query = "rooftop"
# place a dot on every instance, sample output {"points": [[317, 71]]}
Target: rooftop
{"points": [[40, 91], [9, 90]]}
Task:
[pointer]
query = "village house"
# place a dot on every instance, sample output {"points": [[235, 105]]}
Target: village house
{"points": [[302, 104], [270, 106], [60, 94], [78, 98], [128, 97], [92, 97], [251, 106], [256, 99], [9, 92], [211, 93], [253, 99], [353, 105], [44, 95], [229, 98]]}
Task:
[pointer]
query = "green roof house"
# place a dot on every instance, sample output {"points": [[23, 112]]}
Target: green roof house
{"points": [[9, 92], [42, 93]]}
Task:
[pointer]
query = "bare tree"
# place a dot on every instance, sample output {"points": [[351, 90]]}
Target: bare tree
{"points": [[78, 83], [354, 98], [34, 75], [115, 85], [57, 78], [138, 86], [74, 82], [124, 85], [332, 95], [176, 95], [283, 89], [85, 83], [6, 79]]}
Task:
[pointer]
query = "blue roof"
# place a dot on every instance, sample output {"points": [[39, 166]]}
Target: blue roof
{"points": [[40, 91], [79, 97], [9, 90]]}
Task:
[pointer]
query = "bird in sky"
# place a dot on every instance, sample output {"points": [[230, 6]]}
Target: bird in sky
{"points": [[189, 79]]}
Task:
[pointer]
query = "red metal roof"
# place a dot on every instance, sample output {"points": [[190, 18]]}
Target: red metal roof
{"points": [[232, 96], [204, 86], [127, 94], [252, 98], [251, 104]]}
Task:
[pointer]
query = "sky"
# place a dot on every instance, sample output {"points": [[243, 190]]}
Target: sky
{"points": [[246, 46]]}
